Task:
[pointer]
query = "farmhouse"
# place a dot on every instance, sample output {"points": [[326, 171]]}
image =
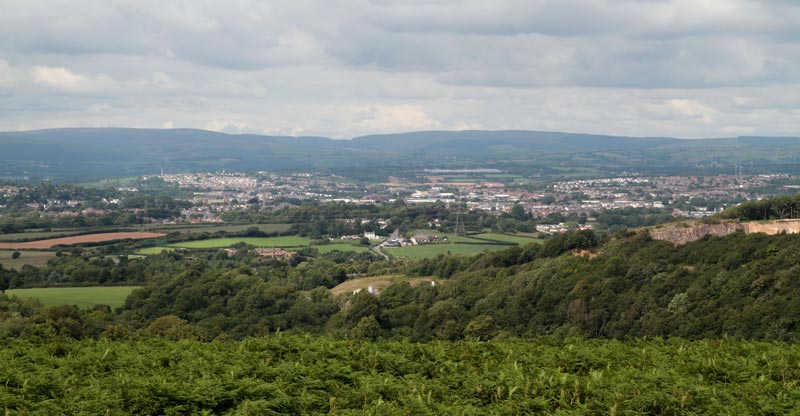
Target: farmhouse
{"points": [[273, 253], [423, 238]]}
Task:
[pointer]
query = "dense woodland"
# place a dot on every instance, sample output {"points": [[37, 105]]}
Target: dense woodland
{"points": [[574, 285]]}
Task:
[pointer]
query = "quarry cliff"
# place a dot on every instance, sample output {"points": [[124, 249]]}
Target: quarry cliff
{"points": [[686, 232]]}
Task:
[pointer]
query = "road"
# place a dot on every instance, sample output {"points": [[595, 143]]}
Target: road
{"points": [[377, 249]]}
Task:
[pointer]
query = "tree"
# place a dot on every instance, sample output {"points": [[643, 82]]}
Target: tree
{"points": [[480, 328], [5, 282], [172, 328], [518, 213], [367, 328], [16, 255]]}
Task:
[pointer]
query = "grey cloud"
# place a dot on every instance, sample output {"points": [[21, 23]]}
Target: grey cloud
{"points": [[225, 34], [668, 18], [343, 68]]}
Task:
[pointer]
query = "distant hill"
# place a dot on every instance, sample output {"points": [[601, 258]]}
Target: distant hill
{"points": [[92, 152]]}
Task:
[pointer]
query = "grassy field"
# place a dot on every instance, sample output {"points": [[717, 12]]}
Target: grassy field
{"points": [[154, 250], [34, 258], [285, 241], [327, 248], [83, 297], [451, 237], [432, 250], [378, 282], [184, 229], [40, 235], [508, 238]]}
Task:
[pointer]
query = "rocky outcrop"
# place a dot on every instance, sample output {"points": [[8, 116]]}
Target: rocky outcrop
{"points": [[772, 227], [687, 232]]}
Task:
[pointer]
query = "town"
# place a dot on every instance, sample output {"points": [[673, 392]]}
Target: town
{"points": [[686, 196], [207, 196]]}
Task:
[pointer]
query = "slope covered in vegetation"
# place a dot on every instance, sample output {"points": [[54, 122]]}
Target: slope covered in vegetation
{"points": [[630, 286], [307, 375]]}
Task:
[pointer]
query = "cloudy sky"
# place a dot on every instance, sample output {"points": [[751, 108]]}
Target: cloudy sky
{"points": [[684, 68]]}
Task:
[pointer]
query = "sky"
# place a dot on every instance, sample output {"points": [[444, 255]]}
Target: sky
{"points": [[341, 69]]}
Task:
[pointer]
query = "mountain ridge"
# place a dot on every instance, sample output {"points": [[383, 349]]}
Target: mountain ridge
{"points": [[86, 151]]}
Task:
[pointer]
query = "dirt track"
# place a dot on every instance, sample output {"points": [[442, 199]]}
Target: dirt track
{"points": [[89, 238]]}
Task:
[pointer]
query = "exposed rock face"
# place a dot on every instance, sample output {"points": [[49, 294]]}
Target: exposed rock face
{"points": [[686, 233], [773, 227]]}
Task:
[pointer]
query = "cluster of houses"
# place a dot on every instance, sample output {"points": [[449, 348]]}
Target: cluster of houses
{"points": [[370, 235], [395, 240], [560, 228], [267, 252]]}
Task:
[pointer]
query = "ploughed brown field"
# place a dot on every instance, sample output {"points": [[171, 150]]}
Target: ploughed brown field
{"points": [[88, 238]]}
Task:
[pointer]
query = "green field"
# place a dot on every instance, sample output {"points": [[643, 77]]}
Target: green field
{"points": [[451, 237], [83, 297], [508, 238], [41, 235], [154, 250], [327, 248], [284, 241], [185, 229], [34, 258], [432, 250]]}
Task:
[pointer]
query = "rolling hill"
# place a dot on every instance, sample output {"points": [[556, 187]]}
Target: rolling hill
{"points": [[93, 152]]}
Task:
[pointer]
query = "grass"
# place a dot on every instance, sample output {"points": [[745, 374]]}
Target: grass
{"points": [[451, 237], [378, 282], [83, 297], [154, 250], [184, 229], [33, 258], [285, 241], [39, 235], [432, 250], [327, 248], [508, 238]]}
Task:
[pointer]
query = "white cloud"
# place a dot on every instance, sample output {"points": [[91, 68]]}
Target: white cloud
{"points": [[289, 131], [386, 119], [693, 110], [63, 79], [6, 76], [227, 126], [58, 77]]}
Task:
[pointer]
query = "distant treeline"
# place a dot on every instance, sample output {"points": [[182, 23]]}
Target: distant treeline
{"points": [[776, 208]]}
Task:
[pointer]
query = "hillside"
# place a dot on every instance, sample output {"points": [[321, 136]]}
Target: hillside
{"points": [[92, 152]]}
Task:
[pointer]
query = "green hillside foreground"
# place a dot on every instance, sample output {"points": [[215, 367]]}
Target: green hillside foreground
{"points": [[83, 297], [283, 374]]}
